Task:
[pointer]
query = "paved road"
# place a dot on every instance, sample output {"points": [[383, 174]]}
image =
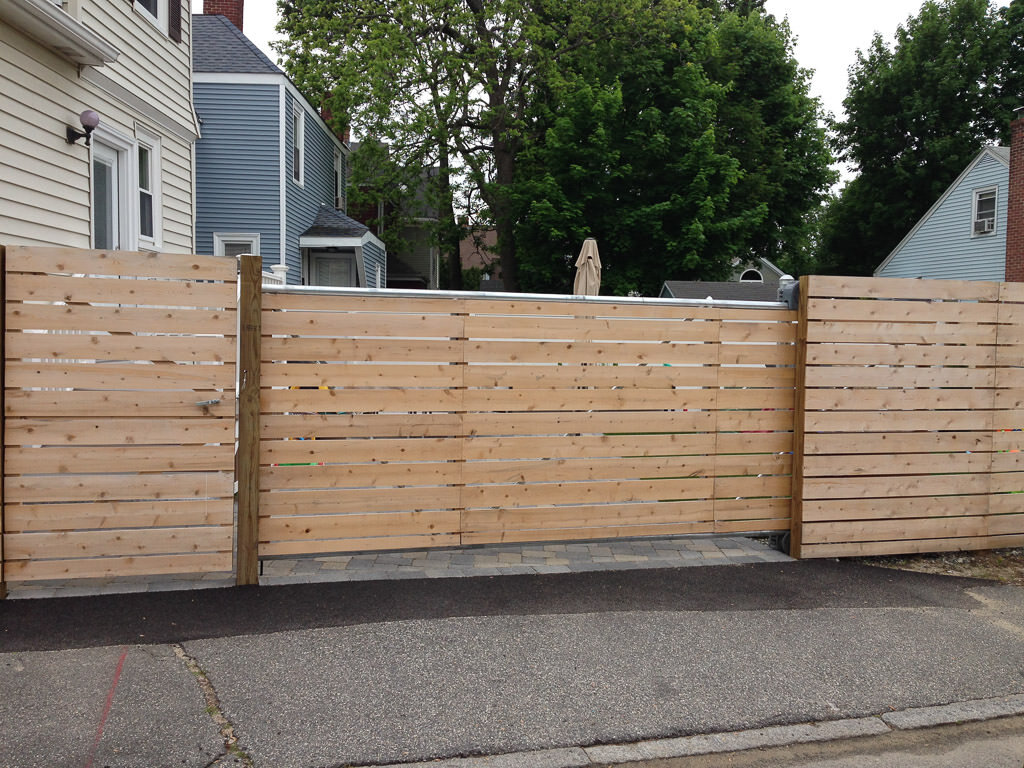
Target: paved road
{"points": [[377, 672]]}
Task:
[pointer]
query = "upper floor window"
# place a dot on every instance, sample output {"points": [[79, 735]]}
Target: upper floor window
{"points": [[298, 144], [984, 217], [148, 170], [339, 181], [165, 14]]}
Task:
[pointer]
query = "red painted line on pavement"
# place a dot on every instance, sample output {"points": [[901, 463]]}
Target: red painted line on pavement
{"points": [[106, 708]]}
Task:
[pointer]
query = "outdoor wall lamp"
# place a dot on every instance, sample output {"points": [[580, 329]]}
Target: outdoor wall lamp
{"points": [[90, 119]]}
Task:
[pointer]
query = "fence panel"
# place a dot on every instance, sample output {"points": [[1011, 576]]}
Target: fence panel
{"points": [[391, 422], [119, 413], [912, 417]]}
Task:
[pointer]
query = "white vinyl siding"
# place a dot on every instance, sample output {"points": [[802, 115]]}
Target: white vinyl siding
{"points": [[45, 197]]}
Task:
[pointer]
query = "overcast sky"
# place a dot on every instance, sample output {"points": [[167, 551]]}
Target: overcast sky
{"points": [[829, 32]]}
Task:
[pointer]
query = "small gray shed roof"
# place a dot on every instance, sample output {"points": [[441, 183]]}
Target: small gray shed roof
{"points": [[219, 46], [330, 222], [722, 291]]}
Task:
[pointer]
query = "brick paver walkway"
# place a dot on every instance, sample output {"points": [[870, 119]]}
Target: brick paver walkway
{"points": [[490, 560]]}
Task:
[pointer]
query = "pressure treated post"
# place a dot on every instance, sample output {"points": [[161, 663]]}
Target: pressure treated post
{"points": [[800, 381], [247, 457]]}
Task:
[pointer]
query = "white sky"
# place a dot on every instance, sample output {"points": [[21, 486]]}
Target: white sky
{"points": [[828, 32]]}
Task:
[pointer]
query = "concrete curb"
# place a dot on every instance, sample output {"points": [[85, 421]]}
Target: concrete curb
{"points": [[736, 741]]}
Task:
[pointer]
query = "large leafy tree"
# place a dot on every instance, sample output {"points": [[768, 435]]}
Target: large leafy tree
{"points": [[437, 78], [918, 111], [700, 148]]}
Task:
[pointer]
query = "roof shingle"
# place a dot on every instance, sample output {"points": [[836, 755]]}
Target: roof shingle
{"points": [[219, 46]]}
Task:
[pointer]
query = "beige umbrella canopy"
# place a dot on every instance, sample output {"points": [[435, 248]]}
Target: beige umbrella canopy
{"points": [[588, 270]]}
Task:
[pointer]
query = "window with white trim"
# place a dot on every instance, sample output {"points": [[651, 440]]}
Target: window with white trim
{"points": [[236, 243], [983, 216], [298, 144], [148, 175], [154, 11], [339, 181]]}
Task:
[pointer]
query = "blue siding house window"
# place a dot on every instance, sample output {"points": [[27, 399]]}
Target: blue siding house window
{"points": [[298, 144]]}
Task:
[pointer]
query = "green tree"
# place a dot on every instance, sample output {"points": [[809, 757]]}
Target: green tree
{"points": [[917, 113], [428, 76]]}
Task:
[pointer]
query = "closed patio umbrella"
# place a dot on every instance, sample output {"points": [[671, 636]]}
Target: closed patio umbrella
{"points": [[588, 270]]}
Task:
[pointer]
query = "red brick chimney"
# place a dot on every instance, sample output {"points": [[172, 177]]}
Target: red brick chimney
{"points": [[230, 8], [1015, 202]]}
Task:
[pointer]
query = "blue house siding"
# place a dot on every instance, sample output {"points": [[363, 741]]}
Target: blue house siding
{"points": [[238, 177], [374, 257], [317, 188], [944, 246]]}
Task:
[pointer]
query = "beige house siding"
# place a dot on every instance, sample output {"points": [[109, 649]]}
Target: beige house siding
{"points": [[46, 195]]}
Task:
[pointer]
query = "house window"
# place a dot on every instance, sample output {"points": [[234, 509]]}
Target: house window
{"points": [[339, 181], [984, 218], [106, 198], [298, 144], [148, 175], [126, 209], [154, 11], [236, 243]]}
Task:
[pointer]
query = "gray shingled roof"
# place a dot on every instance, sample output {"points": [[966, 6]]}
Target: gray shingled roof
{"points": [[219, 46], [724, 291], [330, 222]]}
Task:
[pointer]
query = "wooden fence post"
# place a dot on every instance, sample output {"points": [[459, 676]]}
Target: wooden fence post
{"points": [[800, 392], [3, 411], [247, 457]]}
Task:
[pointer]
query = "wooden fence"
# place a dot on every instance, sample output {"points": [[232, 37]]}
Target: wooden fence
{"points": [[390, 423], [119, 413], [910, 417], [882, 417]]}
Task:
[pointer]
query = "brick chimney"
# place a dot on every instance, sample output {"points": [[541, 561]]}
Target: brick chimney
{"points": [[230, 8], [1015, 202]]}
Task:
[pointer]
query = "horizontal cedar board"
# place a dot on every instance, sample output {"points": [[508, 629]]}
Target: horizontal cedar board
{"points": [[894, 399], [584, 352], [1001, 525], [1008, 482], [897, 421], [754, 421], [748, 487], [754, 442], [104, 567], [73, 317], [755, 333], [470, 538], [341, 325], [1008, 461], [352, 350], [127, 263], [360, 450], [273, 301], [820, 286], [883, 509], [87, 290], [901, 333], [112, 487], [620, 310], [896, 464], [891, 530], [739, 510], [597, 492], [119, 403], [900, 485], [904, 311], [360, 375], [117, 431], [1011, 292], [115, 543], [588, 329], [590, 515], [610, 446], [562, 423], [899, 354], [120, 347], [331, 546], [148, 376], [308, 527], [312, 426], [860, 549], [758, 355], [897, 442], [751, 526], [360, 400], [117, 514], [623, 399], [424, 473], [336, 501], [1008, 440], [19, 460], [900, 376], [556, 376], [756, 376]]}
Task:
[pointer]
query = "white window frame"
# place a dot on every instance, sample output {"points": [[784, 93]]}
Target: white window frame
{"points": [[151, 142], [298, 145], [125, 148], [340, 198], [220, 239], [994, 191], [160, 20]]}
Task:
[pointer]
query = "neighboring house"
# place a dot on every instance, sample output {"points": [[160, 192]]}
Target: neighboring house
{"points": [[749, 282], [963, 235], [128, 185], [270, 174]]}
